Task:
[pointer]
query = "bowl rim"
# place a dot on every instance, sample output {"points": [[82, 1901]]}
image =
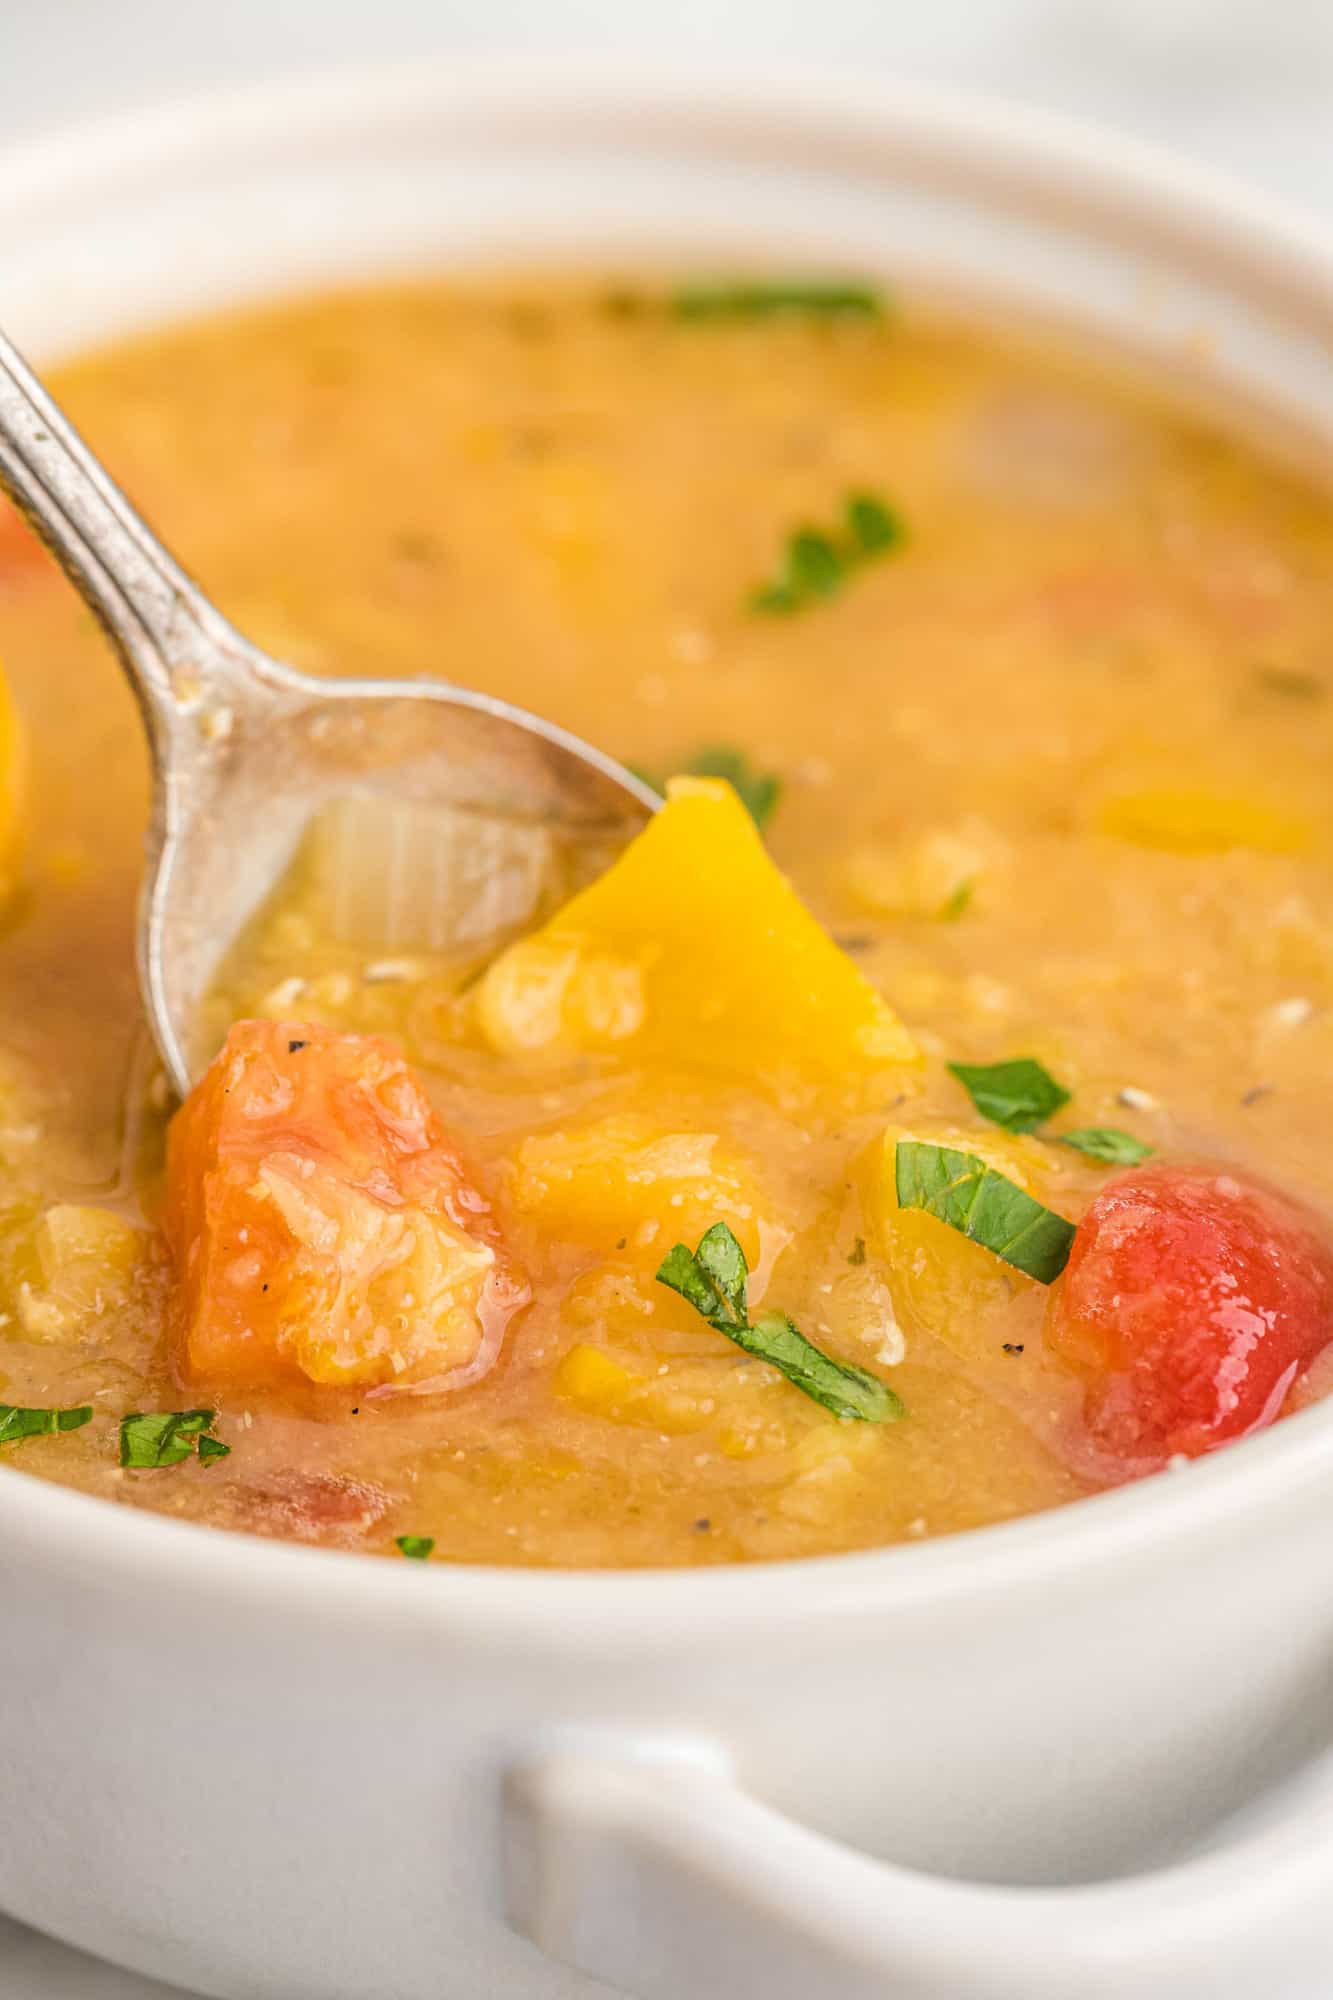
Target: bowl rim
{"points": [[1130, 192]]}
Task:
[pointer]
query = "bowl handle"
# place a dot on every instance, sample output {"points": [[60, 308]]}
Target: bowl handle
{"points": [[647, 1867]]}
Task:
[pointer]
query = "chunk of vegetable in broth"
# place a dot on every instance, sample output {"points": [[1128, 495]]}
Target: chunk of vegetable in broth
{"points": [[1184, 821], [944, 1282], [614, 1178], [732, 974], [409, 876], [322, 1226], [80, 1263], [983, 1205], [1193, 1299]]}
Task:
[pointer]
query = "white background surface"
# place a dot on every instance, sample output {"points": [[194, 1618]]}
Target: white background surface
{"points": [[1246, 85]]}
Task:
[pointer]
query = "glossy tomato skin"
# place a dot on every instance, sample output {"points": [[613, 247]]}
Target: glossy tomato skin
{"points": [[1192, 1300], [323, 1227]]}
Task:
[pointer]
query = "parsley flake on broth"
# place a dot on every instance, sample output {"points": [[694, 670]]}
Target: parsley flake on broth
{"points": [[714, 1279], [1108, 1144], [17, 1422], [760, 299], [151, 1440], [816, 564], [1020, 1095], [1017, 1095]]}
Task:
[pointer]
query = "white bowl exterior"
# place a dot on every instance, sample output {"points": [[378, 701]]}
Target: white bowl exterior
{"points": [[266, 1771]]}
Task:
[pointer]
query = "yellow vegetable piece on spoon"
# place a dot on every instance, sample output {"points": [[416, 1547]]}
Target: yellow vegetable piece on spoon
{"points": [[694, 953]]}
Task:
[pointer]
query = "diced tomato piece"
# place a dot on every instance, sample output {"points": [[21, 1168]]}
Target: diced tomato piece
{"points": [[321, 1224], [1192, 1300]]}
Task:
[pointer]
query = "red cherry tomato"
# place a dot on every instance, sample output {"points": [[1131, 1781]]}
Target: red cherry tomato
{"points": [[1192, 1299]]}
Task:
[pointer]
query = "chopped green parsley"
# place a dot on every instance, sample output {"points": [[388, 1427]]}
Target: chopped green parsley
{"points": [[152, 1439], [714, 1280], [961, 1190], [754, 298], [17, 1422], [816, 564], [1019, 1095], [1108, 1144]]}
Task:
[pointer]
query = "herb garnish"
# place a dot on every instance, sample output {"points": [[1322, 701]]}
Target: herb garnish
{"points": [[871, 527], [151, 1439], [713, 1279], [960, 1189], [758, 791], [417, 1548], [767, 299], [811, 568], [17, 1422], [1018, 1095], [1021, 1095], [1107, 1143], [816, 565]]}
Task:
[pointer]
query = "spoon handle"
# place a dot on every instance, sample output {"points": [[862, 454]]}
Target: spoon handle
{"points": [[175, 647]]}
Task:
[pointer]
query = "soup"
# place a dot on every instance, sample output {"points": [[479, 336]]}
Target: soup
{"points": [[689, 1222]]}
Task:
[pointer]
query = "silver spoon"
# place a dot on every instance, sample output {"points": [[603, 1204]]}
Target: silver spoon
{"points": [[248, 752]]}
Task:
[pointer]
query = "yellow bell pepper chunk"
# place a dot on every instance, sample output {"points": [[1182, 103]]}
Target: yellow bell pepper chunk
{"points": [[592, 1380], [80, 1263], [694, 953], [1194, 821], [941, 1283], [626, 1177], [692, 1396]]}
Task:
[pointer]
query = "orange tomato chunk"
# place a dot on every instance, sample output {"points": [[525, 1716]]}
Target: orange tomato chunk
{"points": [[321, 1225]]}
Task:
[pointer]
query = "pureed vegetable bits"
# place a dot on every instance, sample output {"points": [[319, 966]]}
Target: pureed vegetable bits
{"points": [[702, 1214]]}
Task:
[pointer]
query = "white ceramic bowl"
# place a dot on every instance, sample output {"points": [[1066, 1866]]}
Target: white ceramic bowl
{"points": [[1078, 1756]]}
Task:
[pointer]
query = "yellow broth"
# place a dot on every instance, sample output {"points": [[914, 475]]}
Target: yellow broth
{"points": [[1054, 771]]}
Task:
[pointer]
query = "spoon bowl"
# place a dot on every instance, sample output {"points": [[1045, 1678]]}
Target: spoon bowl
{"points": [[249, 754]]}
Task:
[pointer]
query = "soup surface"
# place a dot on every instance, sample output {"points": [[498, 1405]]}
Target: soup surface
{"points": [[1027, 676]]}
